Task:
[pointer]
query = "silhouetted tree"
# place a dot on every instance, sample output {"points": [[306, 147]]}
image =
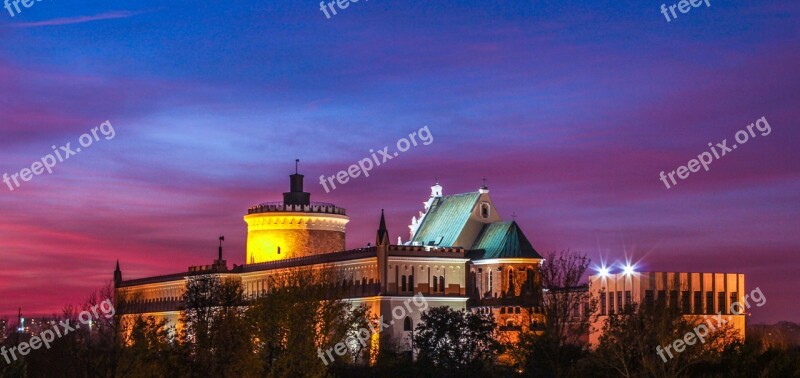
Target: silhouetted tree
{"points": [[217, 334], [554, 349], [301, 315], [456, 341], [628, 345]]}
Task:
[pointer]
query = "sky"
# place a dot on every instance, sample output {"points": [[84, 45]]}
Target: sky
{"points": [[569, 109]]}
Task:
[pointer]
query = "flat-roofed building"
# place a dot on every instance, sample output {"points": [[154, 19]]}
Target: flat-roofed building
{"points": [[697, 294]]}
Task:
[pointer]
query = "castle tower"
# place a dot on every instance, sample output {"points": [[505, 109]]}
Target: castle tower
{"points": [[295, 227]]}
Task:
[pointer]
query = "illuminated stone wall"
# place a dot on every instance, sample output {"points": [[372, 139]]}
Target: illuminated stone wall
{"points": [[278, 236]]}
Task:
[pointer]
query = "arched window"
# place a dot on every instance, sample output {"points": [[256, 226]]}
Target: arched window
{"points": [[407, 325], [435, 280], [491, 287], [403, 283], [411, 283], [485, 210], [441, 284]]}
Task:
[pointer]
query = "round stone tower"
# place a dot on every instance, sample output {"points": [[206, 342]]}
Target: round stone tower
{"points": [[295, 227]]}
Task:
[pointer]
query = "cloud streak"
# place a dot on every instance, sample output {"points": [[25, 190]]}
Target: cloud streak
{"points": [[78, 19]]}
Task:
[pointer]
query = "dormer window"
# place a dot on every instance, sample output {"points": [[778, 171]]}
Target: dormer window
{"points": [[486, 210]]}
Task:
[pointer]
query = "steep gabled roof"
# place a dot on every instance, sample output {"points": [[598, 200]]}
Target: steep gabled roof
{"points": [[446, 219], [502, 240]]}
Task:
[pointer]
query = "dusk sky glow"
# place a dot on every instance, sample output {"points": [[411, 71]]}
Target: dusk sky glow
{"points": [[569, 109]]}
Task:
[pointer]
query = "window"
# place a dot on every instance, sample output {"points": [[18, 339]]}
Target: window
{"points": [[407, 325], [662, 298], [602, 304], [611, 303], [517, 310], [686, 302], [734, 299], [411, 283], [628, 298], [435, 280], [648, 298], [673, 298], [698, 302], [709, 302], [441, 284], [485, 210], [619, 303], [403, 284], [491, 287], [721, 303], [529, 282], [279, 250]]}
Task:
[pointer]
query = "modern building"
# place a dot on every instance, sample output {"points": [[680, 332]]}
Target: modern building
{"points": [[699, 295], [460, 254]]}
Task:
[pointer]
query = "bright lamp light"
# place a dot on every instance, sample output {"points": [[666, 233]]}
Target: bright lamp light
{"points": [[628, 270]]}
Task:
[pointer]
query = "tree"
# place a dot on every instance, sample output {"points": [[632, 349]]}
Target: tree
{"points": [[456, 341], [630, 341], [554, 349], [148, 349], [302, 316], [217, 334]]}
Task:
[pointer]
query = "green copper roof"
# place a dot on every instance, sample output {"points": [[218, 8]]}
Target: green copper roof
{"points": [[445, 219], [503, 240]]}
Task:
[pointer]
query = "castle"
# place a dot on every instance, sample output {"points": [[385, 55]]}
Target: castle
{"points": [[460, 254]]}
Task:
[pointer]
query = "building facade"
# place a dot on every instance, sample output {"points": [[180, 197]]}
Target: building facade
{"points": [[699, 295], [460, 254]]}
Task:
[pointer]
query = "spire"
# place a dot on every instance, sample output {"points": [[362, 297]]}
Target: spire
{"points": [[221, 239], [383, 234], [117, 275]]}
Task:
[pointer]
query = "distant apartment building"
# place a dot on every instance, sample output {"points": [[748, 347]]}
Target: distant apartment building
{"points": [[697, 294]]}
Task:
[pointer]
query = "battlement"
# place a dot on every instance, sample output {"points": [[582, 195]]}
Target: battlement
{"points": [[281, 207]]}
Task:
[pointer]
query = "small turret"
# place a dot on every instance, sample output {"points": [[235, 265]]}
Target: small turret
{"points": [[296, 195]]}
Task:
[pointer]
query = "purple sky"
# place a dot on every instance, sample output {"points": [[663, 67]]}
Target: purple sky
{"points": [[570, 109]]}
